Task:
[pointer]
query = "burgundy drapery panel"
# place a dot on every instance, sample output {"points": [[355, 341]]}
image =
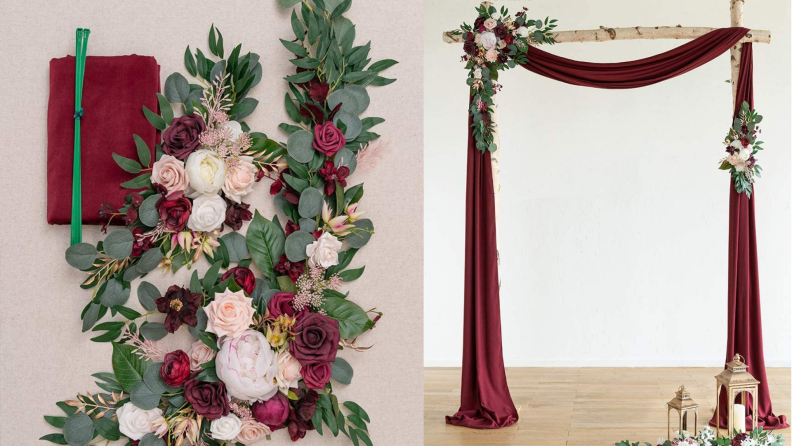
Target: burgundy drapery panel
{"points": [[485, 400], [745, 314]]}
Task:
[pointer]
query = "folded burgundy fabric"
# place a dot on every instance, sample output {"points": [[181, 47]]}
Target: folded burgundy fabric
{"points": [[115, 89]]}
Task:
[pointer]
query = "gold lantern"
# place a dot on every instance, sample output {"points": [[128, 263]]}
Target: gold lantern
{"points": [[683, 404], [737, 381]]}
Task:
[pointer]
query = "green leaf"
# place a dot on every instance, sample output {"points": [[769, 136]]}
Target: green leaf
{"points": [[341, 371], [288, 3], [286, 284], [352, 319], [382, 65], [291, 108], [351, 274], [126, 312], [91, 316], [265, 241], [380, 81], [127, 366], [310, 204], [195, 283], [189, 62], [305, 62], [147, 294], [300, 146], [301, 78], [55, 421], [144, 396], [357, 410], [176, 88], [107, 428], [127, 164], [138, 182], [114, 294], [296, 243], [81, 256], [297, 27], [340, 9], [295, 48], [147, 213], [361, 234], [165, 108], [149, 261], [118, 244], [154, 119], [151, 440], [78, 430], [364, 436], [54, 438], [153, 331], [237, 246]]}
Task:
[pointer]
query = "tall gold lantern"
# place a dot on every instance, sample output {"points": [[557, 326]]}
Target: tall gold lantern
{"points": [[683, 404], [737, 381]]}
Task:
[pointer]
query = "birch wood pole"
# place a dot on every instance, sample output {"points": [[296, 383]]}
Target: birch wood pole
{"points": [[736, 50]]}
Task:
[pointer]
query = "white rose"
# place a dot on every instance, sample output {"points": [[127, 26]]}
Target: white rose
{"points": [[239, 180], [745, 153], [135, 422], [323, 252], [477, 73], [488, 41], [288, 370], [226, 428], [495, 15], [235, 128], [523, 31], [248, 367], [208, 213], [205, 171]]}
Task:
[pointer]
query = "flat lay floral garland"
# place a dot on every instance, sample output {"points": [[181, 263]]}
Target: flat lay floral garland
{"points": [[496, 42], [707, 437], [742, 146], [266, 348]]}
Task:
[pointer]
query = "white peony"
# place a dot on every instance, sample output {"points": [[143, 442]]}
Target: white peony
{"points": [[135, 422], [206, 172], [477, 73], [522, 31], [495, 15], [226, 428], [323, 252], [488, 40], [239, 180], [745, 153], [208, 213], [247, 366]]}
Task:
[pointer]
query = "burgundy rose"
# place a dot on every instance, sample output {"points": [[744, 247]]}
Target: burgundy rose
{"points": [[181, 138], [209, 400], [502, 58], [469, 36], [236, 214], [500, 32], [272, 412], [282, 303], [318, 91], [479, 23], [243, 277], [175, 368], [330, 173], [469, 47], [316, 340], [180, 305], [292, 269], [328, 138], [738, 439], [316, 376], [174, 211]]}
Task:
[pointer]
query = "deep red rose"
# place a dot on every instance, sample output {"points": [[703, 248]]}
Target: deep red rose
{"points": [[175, 368], [316, 376], [469, 47], [509, 39], [502, 58], [328, 139], [318, 91], [282, 303], [174, 211], [317, 339], [181, 138], [209, 400], [243, 277], [292, 269], [180, 305], [236, 214], [469, 36], [479, 22], [313, 112], [272, 412], [291, 227], [330, 173], [500, 32]]}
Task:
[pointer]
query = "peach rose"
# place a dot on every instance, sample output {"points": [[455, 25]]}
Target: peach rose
{"points": [[240, 178], [229, 314], [490, 23], [200, 353], [491, 56], [288, 371], [169, 173], [252, 431]]}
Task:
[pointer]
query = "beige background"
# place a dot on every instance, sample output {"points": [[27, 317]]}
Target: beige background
{"points": [[45, 358]]}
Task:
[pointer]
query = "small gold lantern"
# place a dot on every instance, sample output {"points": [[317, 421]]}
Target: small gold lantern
{"points": [[683, 404], [737, 381]]}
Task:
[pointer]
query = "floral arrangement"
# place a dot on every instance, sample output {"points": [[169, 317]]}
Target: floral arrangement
{"points": [[495, 42], [266, 347], [706, 437], [742, 146], [207, 162]]}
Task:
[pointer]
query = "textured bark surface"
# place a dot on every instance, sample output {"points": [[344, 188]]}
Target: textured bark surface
{"points": [[736, 20]]}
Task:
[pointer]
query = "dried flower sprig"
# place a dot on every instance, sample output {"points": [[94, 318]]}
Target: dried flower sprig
{"points": [[96, 406]]}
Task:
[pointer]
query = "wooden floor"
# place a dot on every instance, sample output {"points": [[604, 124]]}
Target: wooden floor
{"points": [[582, 406]]}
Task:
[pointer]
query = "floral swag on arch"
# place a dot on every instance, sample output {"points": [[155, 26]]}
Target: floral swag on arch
{"points": [[496, 42]]}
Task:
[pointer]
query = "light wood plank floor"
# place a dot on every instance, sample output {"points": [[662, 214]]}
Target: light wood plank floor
{"points": [[582, 406]]}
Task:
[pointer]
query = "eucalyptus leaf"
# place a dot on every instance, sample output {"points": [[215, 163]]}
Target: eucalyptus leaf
{"points": [[346, 157], [78, 430], [353, 124], [147, 212], [341, 371], [347, 100], [310, 203], [295, 245], [151, 440], [300, 146], [145, 397], [236, 245], [176, 88], [118, 244], [361, 97], [153, 331], [149, 260], [114, 294], [81, 255], [361, 234], [147, 294]]}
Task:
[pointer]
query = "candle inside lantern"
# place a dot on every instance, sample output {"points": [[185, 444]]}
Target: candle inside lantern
{"points": [[739, 418]]}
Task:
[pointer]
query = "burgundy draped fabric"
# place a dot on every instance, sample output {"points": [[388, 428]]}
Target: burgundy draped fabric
{"points": [[745, 313], [486, 402]]}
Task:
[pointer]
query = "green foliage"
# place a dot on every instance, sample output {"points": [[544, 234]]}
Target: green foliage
{"points": [[265, 241]]}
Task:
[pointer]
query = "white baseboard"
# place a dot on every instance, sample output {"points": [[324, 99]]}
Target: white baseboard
{"points": [[604, 363]]}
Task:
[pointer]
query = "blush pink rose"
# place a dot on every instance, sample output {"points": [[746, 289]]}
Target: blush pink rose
{"points": [[491, 56], [252, 431], [169, 173], [229, 314], [200, 353], [288, 370], [240, 178]]}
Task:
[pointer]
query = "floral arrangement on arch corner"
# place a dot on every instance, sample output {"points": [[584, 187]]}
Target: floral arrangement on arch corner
{"points": [[496, 42], [742, 146], [266, 349], [706, 437]]}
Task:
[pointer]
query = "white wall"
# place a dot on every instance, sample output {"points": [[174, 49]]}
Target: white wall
{"points": [[614, 216]]}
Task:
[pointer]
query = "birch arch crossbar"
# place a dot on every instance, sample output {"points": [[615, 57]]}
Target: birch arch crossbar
{"points": [[485, 400]]}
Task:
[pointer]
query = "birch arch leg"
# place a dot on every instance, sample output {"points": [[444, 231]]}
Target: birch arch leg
{"points": [[736, 10]]}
